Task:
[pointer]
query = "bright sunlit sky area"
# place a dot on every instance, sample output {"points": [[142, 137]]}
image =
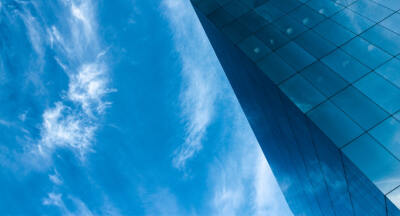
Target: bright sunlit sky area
{"points": [[121, 108]]}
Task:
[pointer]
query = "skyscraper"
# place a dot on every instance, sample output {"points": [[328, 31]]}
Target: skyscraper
{"points": [[319, 82]]}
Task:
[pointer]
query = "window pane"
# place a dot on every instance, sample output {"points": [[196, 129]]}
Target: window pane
{"points": [[275, 68], [315, 44], [220, 17], [371, 10], [272, 37], [236, 8], [345, 65], [295, 56], [253, 21], [254, 48], [391, 71], [290, 27], [392, 4], [352, 21], [302, 93], [394, 196], [235, 31], [366, 52], [392, 23], [333, 32], [307, 16], [325, 7], [381, 91], [335, 124], [359, 107], [375, 162], [383, 38], [388, 134], [269, 12], [324, 79]]}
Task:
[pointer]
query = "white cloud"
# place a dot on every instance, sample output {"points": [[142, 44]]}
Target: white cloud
{"points": [[161, 203], [199, 77], [79, 207], [55, 178], [54, 199], [73, 120]]}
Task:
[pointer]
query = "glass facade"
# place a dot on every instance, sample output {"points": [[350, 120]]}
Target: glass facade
{"points": [[319, 81]]}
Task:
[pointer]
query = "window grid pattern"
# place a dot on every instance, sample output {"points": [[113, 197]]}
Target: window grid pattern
{"points": [[321, 53]]}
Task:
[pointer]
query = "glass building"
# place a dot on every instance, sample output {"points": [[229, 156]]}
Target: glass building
{"points": [[319, 82]]}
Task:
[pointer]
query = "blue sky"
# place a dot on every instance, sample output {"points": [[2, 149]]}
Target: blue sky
{"points": [[121, 108]]}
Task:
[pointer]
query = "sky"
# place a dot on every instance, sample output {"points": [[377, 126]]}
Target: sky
{"points": [[121, 108]]}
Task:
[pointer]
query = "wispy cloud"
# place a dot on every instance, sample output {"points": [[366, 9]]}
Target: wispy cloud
{"points": [[73, 120], [56, 199], [161, 203], [199, 77]]}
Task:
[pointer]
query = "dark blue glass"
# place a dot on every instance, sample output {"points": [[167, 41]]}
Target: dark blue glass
{"points": [[220, 17], [391, 71], [269, 12], [392, 23], [352, 21], [371, 10], [335, 124], [359, 107], [380, 91], [375, 161], [324, 79], [388, 134], [383, 38], [275, 68], [254, 48], [366, 52], [236, 8], [325, 7], [333, 32], [290, 27], [346, 66], [302, 93], [253, 21], [235, 31], [295, 56], [315, 44], [272, 37], [307, 16]]}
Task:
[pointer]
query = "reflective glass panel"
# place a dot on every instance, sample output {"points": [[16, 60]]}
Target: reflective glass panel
{"points": [[254, 48], [352, 21], [391, 71], [324, 7], [315, 44], [371, 10], [366, 52], [275, 68], [334, 123], [334, 32], [302, 93], [346, 66], [307, 16], [375, 162], [392, 23], [388, 133], [383, 38], [295, 56], [394, 196], [324, 79], [381, 91], [359, 107]]}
